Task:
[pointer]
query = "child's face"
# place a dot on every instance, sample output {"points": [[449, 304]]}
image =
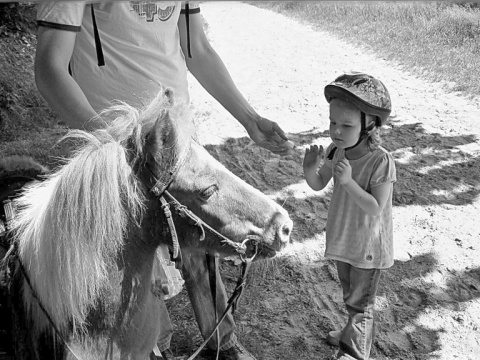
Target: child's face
{"points": [[345, 123]]}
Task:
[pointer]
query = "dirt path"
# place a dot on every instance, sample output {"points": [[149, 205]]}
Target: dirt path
{"points": [[428, 305]]}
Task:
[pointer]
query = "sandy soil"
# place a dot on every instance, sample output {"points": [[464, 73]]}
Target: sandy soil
{"points": [[428, 305]]}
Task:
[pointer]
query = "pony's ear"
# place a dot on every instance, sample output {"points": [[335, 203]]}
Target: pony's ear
{"points": [[160, 144], [161, 141], [163, 135]]}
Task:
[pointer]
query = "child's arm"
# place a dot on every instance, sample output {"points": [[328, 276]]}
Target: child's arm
{"points": [[311, 162], [373, 203]]}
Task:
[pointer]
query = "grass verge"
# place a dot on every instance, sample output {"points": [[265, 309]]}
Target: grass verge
{"points": [[439, 41], [27, 125]]}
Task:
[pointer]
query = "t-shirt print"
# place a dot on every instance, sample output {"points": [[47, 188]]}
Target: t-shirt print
{"points": [[153, 10]]}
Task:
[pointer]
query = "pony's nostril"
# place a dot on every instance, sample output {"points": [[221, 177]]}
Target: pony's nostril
{"points": [[282, 226], [286, 230]]}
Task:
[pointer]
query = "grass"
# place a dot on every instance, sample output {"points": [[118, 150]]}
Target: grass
{"points": [[439, 41], [27, 125]]}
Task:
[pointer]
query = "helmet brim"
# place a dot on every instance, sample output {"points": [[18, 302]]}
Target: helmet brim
{"points": [[338, 92]]}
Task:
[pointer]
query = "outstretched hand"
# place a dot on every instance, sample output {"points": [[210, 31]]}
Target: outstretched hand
{"points": [[313, 157], [269, 135]]}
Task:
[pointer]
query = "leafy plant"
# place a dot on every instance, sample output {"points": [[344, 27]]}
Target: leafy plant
{"points": [[16, 17]]}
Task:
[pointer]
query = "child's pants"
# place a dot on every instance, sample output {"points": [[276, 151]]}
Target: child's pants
{"points": [[359, 291]]}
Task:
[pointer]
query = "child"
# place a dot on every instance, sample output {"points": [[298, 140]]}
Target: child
{"points": [[359, 226]]}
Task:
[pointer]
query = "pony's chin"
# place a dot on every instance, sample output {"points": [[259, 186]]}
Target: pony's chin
{"points": [[265, 252]]}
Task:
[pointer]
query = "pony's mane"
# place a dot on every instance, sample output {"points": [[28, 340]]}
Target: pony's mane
{"points": [[70, 227]]}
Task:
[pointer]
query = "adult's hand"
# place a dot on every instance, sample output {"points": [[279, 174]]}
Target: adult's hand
{"points": [[269, 135]]}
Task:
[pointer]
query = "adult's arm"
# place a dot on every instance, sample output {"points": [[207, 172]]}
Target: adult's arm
{"points": [[58, 88], [209, 69]]}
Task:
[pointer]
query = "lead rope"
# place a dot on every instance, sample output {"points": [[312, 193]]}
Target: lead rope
{"points": [[212, 262], [234, 298]]}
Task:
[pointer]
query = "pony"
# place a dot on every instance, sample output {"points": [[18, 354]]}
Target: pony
{"points": [[84, 238]]}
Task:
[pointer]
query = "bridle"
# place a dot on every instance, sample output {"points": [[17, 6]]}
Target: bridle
{"points": [[160, 190]]}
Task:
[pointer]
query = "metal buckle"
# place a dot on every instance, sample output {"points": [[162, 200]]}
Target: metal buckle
{"points": [[255, 239]]}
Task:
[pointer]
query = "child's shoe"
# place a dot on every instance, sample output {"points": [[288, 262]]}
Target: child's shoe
{"points": [[333, 337]]}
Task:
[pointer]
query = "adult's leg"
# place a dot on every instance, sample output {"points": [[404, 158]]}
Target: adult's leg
{"points": [[166, 328], [359, 292], [196, 276]]}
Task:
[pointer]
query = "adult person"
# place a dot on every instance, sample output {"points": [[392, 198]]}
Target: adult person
{"points": [[90, 54]]}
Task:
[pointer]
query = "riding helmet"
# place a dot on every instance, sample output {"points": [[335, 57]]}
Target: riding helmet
{"points": [[367, 93]]}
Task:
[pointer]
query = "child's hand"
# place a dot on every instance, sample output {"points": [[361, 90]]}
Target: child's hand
{"points": [[343, 171], [313, 157]]}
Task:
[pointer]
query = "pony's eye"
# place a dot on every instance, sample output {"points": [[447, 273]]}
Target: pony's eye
{"points": [[208, 192]]}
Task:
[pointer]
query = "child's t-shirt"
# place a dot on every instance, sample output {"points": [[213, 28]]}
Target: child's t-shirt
{"points": [[352, 235], [140, 43]]}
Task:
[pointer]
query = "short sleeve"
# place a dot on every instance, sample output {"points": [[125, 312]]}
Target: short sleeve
{"points": [[384, 170], [64, 15], [193, 7]]}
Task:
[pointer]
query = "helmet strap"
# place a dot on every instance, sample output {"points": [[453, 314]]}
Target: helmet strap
{"points": [[364, 132]]}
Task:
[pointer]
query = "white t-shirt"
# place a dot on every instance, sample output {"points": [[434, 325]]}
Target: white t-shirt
{"points": [[141, 47], [352, 235]]}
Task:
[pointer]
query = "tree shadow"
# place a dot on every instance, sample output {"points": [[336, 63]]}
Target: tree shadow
{"points": [[417, 293], [431, 168], [407, 301], [462, 286], [254, 164], [274, 175]]}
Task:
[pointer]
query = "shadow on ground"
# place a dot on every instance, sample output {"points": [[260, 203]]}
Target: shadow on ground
{"points": [[422, 159]]}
